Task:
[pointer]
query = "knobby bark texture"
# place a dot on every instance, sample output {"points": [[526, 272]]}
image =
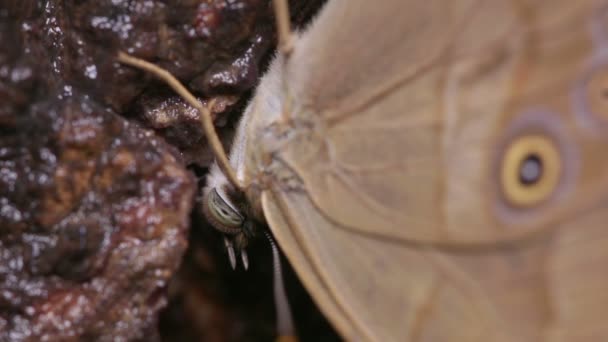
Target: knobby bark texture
{"points": [[100, 166]]}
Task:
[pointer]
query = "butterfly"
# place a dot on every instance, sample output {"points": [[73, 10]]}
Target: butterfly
{"points": [[433, 170]]}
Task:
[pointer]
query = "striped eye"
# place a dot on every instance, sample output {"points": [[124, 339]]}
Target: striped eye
{"points": [[220, 214], [530, 170]]}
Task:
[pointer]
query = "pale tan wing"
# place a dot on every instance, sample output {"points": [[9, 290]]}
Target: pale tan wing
{"points": [[549, 289], [380, 290], [576, 273], [354, 49], [413, 104], [305, 269]]}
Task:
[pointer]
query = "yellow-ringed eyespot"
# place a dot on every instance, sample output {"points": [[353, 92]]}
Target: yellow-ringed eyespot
{"points": [[530, 170]]}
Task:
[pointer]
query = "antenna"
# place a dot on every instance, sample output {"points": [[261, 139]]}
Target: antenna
{"points": [[207, 121], [281, 12], [286, 46]]}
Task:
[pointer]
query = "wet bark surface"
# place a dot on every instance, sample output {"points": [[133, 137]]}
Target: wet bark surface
{"points": [[99, 165]]}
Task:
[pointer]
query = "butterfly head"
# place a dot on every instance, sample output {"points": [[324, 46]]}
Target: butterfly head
{"points": [[226, 209]]}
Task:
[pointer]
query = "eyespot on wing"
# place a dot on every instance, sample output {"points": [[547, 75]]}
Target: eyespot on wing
{"points": [[411, 168]]}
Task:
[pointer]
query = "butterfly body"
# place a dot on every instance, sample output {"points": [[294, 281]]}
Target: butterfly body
{"points": [[437, 171]]}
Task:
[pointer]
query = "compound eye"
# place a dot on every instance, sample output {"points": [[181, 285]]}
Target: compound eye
{"points": [[530, 170], [220, 214]]}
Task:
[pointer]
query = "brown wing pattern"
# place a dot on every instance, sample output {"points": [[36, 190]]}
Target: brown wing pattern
{"points": [[374, 289], [410, 225], [421, 160]]}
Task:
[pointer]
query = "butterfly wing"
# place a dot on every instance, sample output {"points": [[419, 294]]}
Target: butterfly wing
{"points": [[305, 268], [374, 290], [411, 145], [382, 290], [409, 219]]}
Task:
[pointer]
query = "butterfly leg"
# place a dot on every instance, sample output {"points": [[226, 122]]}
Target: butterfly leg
{"points": [[231, 253], [245, 259]]}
